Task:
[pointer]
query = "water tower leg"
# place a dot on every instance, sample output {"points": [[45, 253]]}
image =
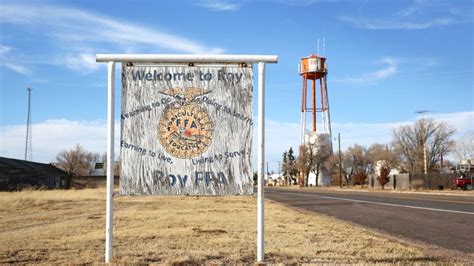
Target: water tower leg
{"points": [[305, 92], [313, 92]]}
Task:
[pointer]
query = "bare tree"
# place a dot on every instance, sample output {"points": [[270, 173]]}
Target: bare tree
{"points": [[359, 162], [334, 162], [425, 138], [102, 157], [75, 162], [464, 147], [303, 163], [384, 153], [312, 158]]}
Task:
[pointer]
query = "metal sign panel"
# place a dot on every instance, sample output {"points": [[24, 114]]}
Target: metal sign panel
{"points": [[186, 130]]}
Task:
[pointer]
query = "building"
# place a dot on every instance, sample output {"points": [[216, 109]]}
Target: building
{"points": [[99, 169], [16, 174], [276, 179]]}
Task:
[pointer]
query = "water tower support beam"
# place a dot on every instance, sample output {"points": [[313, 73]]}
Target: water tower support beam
{"points": [[313, 92], [303, 109], [323, 106]]}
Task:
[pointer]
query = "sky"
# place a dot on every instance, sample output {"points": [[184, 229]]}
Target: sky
{"points": [[387, 60]]}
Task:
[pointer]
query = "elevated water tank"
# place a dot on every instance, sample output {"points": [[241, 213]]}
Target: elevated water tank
{"points": [[312, 66], [319, 141]]}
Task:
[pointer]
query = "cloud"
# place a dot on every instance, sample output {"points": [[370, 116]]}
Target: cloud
{"points": [[53, 136], [4, 49], [395, 23], [461, 121], [419, 15], [6, 61], [83, 62], [18, 68], [80, 33], [389, 69], [416, 8], [218, 5], [304, 2]]}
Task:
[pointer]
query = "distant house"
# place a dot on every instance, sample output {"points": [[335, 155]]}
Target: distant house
{"points": [[99, 169], [15, 174], [275, 179], [378, 166]]}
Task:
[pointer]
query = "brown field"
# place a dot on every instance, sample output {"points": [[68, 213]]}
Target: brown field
{"points": [[69, 227]]}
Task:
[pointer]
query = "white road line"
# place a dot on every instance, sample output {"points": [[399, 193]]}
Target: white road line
{"points": [[379, 203]]}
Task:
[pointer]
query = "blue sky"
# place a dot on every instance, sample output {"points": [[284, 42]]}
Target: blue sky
{"points": [[386, 60]]}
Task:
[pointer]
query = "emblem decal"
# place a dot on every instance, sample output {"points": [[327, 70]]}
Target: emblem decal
{"points": [[185, 129]]}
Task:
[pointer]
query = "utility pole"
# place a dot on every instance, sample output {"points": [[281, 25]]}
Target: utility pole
{"points": [[423, 138], [424, 156], [340, 159], [268, 173], [29, 139], [421, 112]]}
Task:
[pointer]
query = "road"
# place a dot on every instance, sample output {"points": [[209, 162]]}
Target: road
{"points": [[441, 220]]}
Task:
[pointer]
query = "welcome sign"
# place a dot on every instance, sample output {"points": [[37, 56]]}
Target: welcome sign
{"points": [[186, 130]]}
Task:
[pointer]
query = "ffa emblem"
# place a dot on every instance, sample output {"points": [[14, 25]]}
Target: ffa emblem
{"points": [[185, 128]]}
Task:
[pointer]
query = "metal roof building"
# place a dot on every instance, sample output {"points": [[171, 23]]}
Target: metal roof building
{"points": [[16, 174]]}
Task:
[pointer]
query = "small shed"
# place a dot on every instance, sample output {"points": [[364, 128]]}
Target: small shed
{"points": [[16, 174]]}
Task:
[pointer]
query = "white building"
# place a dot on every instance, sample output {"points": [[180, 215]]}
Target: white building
{"points": [[321, 143]]}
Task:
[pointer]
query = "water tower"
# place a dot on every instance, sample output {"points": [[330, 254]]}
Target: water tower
{"points": [[313, 68]]}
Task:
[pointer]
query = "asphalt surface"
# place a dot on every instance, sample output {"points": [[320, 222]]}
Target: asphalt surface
{"points": [[442, 220]]}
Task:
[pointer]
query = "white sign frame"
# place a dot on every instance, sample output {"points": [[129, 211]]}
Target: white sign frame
{"points": [[111, 59]]}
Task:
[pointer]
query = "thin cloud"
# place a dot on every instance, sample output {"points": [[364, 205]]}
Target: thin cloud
{"points": [[4, 49], [388, 71], [419, 15], [17, 68], [217, 5], [416, 8], [83, 62], [304, 2], [7, 61], [390, 68], [54, 135], [84, 32], [394, 24]]}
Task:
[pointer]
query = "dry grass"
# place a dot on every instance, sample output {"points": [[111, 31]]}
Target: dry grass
{"points": [[68, 227]]}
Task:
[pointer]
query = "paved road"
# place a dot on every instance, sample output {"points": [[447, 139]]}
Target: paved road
{"points": [[442, 220]]}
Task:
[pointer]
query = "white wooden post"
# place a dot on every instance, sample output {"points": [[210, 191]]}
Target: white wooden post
{"points": [[109, 219], [261, 163]]}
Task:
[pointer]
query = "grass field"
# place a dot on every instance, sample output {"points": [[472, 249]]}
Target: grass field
{"points": [[68, 227]]}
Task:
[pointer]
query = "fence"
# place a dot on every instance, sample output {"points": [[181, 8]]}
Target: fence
{"points": [[414, 181]]}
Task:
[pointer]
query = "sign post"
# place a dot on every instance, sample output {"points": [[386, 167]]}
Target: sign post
{"points": [[261, 163], [191, 60], [110, 160]]}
